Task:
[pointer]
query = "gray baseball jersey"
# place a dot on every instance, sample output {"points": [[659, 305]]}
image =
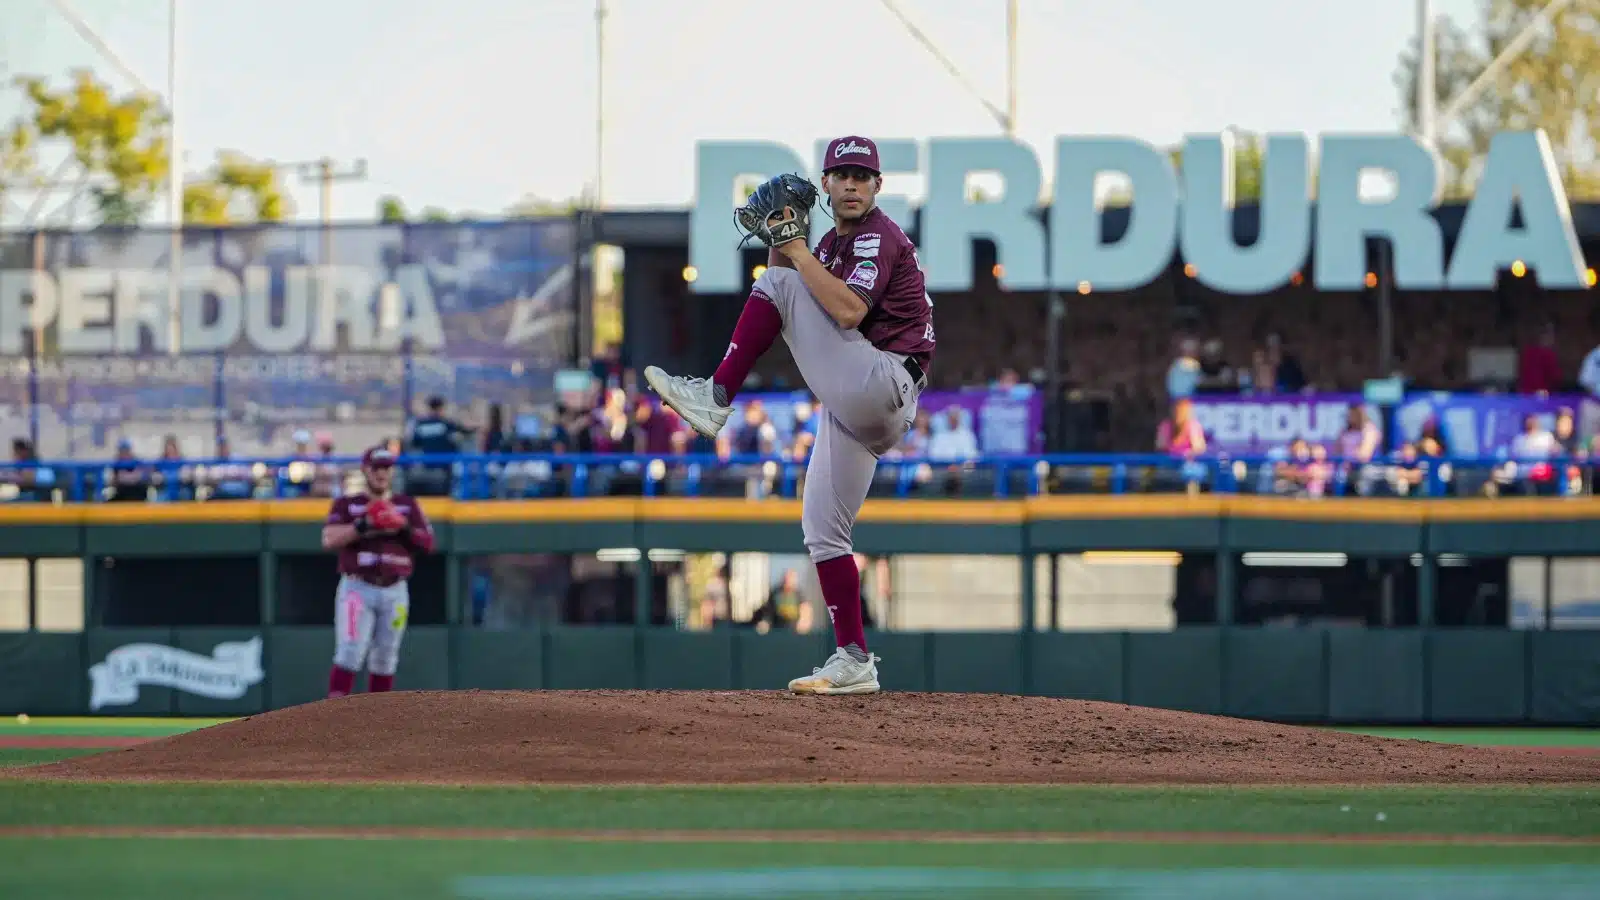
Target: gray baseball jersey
{"points": [[859, 375]]}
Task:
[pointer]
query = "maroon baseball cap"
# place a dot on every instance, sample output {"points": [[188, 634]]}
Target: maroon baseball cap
{"points": [[851, 150], [377, 458]]}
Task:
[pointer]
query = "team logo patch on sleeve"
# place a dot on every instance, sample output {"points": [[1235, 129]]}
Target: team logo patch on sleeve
{"points": [[864, 275], [867, 246]]}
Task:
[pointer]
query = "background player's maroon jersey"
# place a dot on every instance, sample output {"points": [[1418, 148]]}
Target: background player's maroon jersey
{"points": [[382, 559], [880, 263]]}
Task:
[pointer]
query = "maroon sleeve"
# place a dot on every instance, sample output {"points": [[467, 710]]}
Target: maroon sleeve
{"points": [[339, 513], [420, 533], [869, 265]]}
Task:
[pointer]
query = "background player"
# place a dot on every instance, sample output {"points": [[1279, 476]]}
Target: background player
{"points": [[378, 535], [858, 319]]}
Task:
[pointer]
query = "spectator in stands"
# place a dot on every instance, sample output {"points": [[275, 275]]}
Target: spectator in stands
{"points": [[175, 479], [302, 445], [495, 437], [1431, 443], [805, 418], [1571, 448], [1529, 469], [954, 447], [31, 481], [1291, 475], [1406, 472], [1009, 382], [1291, 378], [656, 427], [785, 609], [1216, 376], [800, 446], [1589, 373], [1530, 458], [1263, 377], [436, 434], [755, 434], [1356, 447], [433, 434], [955, 442], [127, 479], [915, 444], [611, 429], [1181, 434], [1538, 368], [1183, 376], [229, 480]]}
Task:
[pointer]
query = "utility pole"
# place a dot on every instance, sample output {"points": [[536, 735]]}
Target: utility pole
{"points": [[1427, 67], [1011, 69], [325, 172], [600, 13]]}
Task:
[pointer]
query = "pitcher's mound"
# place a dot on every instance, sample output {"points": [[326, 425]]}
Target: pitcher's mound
{"points": [[601, 737]]}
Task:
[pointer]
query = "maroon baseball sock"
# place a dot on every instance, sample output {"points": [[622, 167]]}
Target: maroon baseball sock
{"points": [[841, 591], [759, 325], [341, 682], [377, 684]]}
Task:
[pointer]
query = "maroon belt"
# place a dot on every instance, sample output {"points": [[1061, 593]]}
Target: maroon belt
{"points": [[375, 580]]}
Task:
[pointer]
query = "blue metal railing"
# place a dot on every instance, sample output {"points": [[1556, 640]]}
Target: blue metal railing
{"points": [[520, 476]]}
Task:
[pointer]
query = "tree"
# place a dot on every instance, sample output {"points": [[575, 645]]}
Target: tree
{"points": [[532, 207], [435, 214], [1551, 85], [1249, 156], [121, 140], [18, 160], [238, 189], [391, 211]]}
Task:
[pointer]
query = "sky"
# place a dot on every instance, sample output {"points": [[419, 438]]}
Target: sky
{"points": [[471, 105]]}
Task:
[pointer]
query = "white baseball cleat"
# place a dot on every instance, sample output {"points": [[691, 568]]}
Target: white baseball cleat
{"points": [[691, 398], [840, 675]]}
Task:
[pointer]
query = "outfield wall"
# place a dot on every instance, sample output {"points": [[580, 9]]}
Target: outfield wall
{"points": [[174, 581], [1402, 676]]}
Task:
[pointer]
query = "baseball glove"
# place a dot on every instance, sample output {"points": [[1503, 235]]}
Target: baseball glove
{"points": [[778, 212], [384, 516]]}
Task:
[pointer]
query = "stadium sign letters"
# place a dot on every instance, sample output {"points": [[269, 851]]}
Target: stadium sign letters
{"points": [[100, 311], [227, 674], [1519, 172]]}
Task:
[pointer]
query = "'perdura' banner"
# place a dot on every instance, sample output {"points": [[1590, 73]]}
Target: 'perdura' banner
{"points": [[1183, 211], [1472, 425]]}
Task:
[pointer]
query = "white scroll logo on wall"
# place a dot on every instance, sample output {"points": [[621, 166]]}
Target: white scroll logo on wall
{"points": [[231, 670]]}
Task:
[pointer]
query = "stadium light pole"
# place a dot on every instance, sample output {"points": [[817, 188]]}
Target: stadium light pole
{"points": [[600, 13], [1427, 68], [174, 188]]}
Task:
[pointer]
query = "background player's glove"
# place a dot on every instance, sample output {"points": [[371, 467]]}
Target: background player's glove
{"points": [[778, 212], [383, 516]]}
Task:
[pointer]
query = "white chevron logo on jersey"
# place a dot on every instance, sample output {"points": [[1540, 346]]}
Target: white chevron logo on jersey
{"points": [[867, 246]]}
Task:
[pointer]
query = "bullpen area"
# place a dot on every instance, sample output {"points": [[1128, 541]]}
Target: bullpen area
{"points": [[485, 794]]}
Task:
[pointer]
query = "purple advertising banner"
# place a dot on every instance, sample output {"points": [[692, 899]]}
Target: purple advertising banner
{"points": [[1003, 422], [1472, 424]]}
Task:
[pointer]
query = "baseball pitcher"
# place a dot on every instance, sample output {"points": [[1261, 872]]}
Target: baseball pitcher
{"points": [[858, 319], [377, 535]]}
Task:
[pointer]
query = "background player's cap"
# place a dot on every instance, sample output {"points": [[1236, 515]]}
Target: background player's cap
{"points": [[377, 458], [851, 150]]}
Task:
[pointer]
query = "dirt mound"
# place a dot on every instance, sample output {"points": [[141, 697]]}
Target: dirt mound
{"points": [[603, 737]]}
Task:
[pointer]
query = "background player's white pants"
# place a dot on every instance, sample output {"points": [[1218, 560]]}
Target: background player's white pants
{"points": [[368, 623], [868, 402]]}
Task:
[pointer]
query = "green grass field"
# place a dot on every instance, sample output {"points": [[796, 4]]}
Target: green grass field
{"points": [[254, 842]]}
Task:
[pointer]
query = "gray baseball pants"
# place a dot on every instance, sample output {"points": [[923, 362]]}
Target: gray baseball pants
{"points": [[868, 402], [369, 622]]}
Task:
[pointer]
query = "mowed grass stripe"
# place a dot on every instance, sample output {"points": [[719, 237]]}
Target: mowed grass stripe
{"points": [[1556, 811], [1490, 737], [103, 727]]}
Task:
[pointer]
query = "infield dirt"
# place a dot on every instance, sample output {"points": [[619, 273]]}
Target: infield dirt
{"points": [[755, 737]]}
